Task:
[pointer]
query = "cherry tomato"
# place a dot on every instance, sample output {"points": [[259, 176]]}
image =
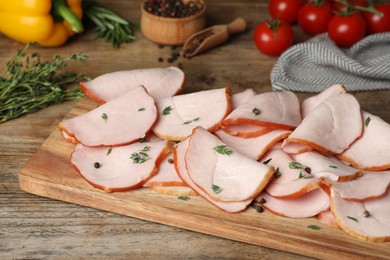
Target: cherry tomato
{"points": [[345, 31], [272, 37], [378, 23], [285, 10], [340, 7], [314, 17]]}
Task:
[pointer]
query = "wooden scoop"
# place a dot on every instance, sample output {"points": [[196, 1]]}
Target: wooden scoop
{"points": [[211, 37]]}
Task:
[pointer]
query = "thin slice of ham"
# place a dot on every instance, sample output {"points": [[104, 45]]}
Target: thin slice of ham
{"points": [[308, 205], [332, 126], [288, 182], [368, 220], [326, 217], [278, 110], [254, 147], [175, 191], [246, 131], [166, 175], [180, 166], [159, 83], [221, 171], [372, 151], [309, 104], [179, 115], [295, 148], [117, 168], [242, 97], [370, 185], [328, 167], [121, 121]]}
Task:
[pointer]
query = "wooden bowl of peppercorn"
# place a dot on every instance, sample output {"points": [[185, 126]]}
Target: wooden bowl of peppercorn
{"points": [[171, 22]]}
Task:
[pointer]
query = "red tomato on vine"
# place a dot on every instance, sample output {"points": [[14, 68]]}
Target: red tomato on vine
{"points": [[285, 10], [314, 17], [378, 23], [346, 30]]}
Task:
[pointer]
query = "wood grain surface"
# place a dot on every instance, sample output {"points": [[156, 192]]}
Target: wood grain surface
{"points": [[35, 227]]}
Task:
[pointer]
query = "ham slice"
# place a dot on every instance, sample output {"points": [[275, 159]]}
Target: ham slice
{"points": [[288, 183], [254, 147], [278, 110], [159, 83], [295, 148], [246, 131], [119, 168], [309, 104], [179, 115], [322, 166], [121, 121], [367, 220], [326, 217], [370, 185], [222, 172], [242, 97], [175, 191], [308, 205], [332, 126], [372, 151], [180, 166]]}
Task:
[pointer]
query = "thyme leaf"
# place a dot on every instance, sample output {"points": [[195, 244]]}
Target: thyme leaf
{"points": [[191, 121], [297, 165], [354, 219], [109, 151], [267, 161], [167, 110], [141, 109], [141, 156], [367, 121], [223, 149], [216, 188], [302, 176], [256, 111], [333, 166], [105, 117], [314, 227], [185, 198]]}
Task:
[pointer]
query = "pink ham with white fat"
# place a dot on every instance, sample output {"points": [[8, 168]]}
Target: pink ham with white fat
{"points": [[123, 120], [328, 167], [242, 97], [254, 147], [221, 171], [180, 166], [179, 115], [246, 131], [288, 183], [159, 82], [119, 168], [305, 206], [372, 151], [368, 220], [278, 110], [332, 126]]}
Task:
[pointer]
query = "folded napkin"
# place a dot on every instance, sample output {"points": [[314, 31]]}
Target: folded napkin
{"points": [[314, 65]]}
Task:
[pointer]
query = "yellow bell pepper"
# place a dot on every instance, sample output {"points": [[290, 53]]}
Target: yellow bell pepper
{"points": [[47, 22]]}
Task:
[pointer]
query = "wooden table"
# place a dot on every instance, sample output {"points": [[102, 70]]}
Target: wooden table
{"points": [[37, 227]]}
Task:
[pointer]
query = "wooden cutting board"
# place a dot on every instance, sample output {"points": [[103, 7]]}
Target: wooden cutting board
{"points": [[50, 174]]}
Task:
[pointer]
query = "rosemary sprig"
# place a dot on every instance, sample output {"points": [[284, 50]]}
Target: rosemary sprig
{"points": [[29, 84], [108, 24]]}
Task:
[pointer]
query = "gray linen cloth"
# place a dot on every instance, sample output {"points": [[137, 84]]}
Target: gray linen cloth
{"points": [[318, 63]]}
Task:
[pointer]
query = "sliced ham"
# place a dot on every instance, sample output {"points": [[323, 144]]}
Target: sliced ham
{"points": [[372, 151], [242, 97], [368, 220], [326, 217], [254, 147], [221, 171], [121, 121], [179, 115], [159, 82], [295, 148], [332, 126], [370, 185], [246, 131], [69, 138], [180, 166], [280, 110], [309, 104], [166, 175], [308, 205], [119, 168], [175, 191], [288, 183], [322, 166]]}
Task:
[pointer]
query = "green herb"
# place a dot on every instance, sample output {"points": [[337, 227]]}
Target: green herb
{"points": [[297, 165], [223, 149], [302, 176], [256, 111], [367, 121], [141, 109], [333, 166], [216, 188], [109, 151], [141, 156], [105, 117], [315, 227], [108, 24], [145, 149], [185, 198], [190, 121], [29, 84], [352, 218], [267, 161], [167, 111]]}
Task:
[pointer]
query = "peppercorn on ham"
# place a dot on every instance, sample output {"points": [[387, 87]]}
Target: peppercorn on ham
{"points": [[159, 83]]}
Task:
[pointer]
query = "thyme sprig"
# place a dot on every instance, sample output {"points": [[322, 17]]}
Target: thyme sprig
{"points": [[29, 84], [223, 149], [141, 156]]}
